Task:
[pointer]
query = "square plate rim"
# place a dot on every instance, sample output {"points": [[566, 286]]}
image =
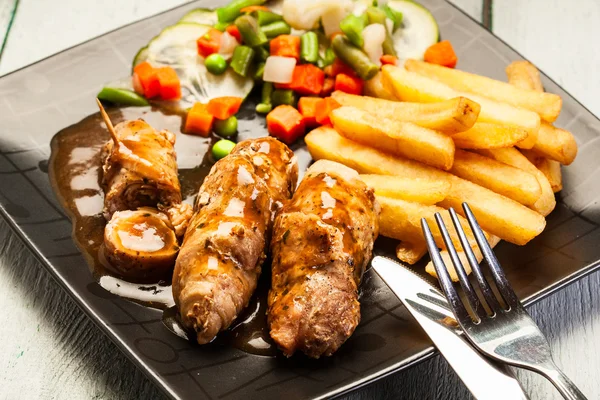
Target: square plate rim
{"points": [[422, 356]]}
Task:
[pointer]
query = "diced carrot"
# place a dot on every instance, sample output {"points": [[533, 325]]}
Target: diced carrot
{"points": [[306, 80], [170, 87], [250, 9], [199, 121], [209, 43], [324, 109], [349, 84], [286, 46], [441, 53], [235, 32], [224, 107], [145, 80], [308, 108], [328, 70], [340, 67], [286, 124], [388, 59], [328, 87]]}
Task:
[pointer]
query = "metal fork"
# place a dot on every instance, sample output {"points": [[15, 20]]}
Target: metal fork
{"points": [[507, 335]]}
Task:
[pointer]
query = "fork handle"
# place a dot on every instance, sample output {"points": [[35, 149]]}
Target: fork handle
{"points": [[564, 385]]}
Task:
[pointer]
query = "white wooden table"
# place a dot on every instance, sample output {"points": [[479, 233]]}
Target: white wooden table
{"points": [[50, 350]]}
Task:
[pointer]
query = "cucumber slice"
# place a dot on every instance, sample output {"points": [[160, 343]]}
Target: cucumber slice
{"points": [[141, 56], [419, 29], [176, 47], [202, 16]]}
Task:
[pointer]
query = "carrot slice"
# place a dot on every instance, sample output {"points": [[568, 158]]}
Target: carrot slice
{"points": [[340, 67], [286, 124], [170, 87], [324, 109], [388, 59], [145, 80], [349, 84], [328, 87], [441, 53], [235, 32], [250, 9], [286, 46], [306, 80], [199, 121], [308, 108], [224, 107], [209, 43]]}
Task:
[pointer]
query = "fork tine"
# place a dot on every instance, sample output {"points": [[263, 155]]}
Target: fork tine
{"points": [[488, 295], [460, 270], [458, 308], [488, 254]]}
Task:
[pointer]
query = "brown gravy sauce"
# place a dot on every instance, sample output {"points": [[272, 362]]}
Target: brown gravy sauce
{"points": [[76, 174]]}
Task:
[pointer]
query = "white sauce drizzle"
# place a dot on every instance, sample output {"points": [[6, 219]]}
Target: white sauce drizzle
{"points": [[327, 201], [162, 294], [235, 208], [88, 179], [82, 154], [88, 206], [145, 239], [225, 228], [244, 177], [329, 181], [254, 194], [213, 263], [264, 148], [258, 161]]}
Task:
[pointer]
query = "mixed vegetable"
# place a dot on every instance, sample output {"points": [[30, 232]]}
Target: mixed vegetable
{"points": [[297, 52]]}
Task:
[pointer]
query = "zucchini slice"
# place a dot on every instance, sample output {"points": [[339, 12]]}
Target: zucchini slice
{"points": [[176, 47], [202, 16], [419, 29]]}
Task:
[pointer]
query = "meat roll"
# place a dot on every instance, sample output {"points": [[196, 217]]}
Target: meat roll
{"points": [[141, 243], [225, 245], [322, 242], [141, 171]]}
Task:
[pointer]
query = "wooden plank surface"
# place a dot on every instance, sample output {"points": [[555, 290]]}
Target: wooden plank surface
{"points": [[51, 350]]}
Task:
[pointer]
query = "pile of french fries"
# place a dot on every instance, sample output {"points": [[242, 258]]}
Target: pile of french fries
{"points": [[429, 138]]}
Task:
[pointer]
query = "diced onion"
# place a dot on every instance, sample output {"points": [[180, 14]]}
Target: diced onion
{"points": [[305, 14], [279, 69], [228, 45], [374, 36], [389, 24]]}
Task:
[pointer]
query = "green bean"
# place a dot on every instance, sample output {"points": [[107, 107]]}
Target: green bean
{"points": [[283, 96], [378, 16], [328, 59], [275, 29], [222, 148], [215, 64], [227, 127], [309, 47], [122, 96], [263, 108], [260, 70], [354, 57], [242, 60], [395, 16], [261, 53], [251, 33], [221, 26], [266, 17], [233, 10], [353, 27]]}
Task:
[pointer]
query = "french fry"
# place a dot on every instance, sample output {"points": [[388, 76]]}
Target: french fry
{"points": [[497, 214], [374, 88], [411, 252], [484, 135], [325, 143], [401, 220], [462, 256], [550, 168], [524, 75], [547, 105], [512, 156], [450, 116], [501, 178], [424, 191], [404, 139], [554, 143], [410, 86]]}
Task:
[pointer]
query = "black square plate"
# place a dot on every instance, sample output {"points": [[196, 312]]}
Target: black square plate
{"points": [[38, 101]]}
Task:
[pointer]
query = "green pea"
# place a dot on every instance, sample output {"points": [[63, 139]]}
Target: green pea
{"points": [[215, 64], [222, 148], [226, 127]]}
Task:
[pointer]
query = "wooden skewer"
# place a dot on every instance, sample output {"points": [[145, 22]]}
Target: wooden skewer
{"points": [[108, 123]]}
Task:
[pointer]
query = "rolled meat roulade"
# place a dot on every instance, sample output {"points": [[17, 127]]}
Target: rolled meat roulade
{"points": [[322, 242], [225, 245]]}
